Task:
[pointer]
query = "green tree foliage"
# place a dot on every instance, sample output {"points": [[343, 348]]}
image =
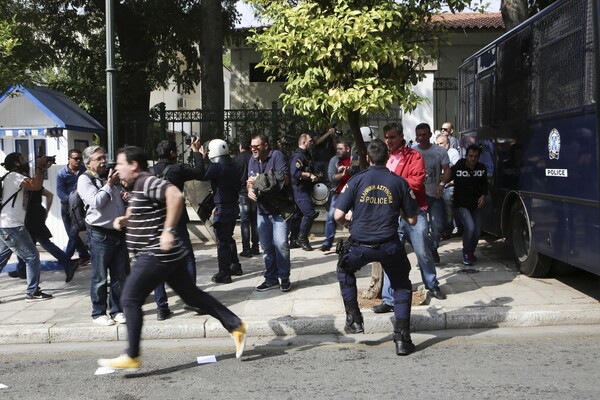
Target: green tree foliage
{"points": [[346, 58], [516, 11], [157, 43]]}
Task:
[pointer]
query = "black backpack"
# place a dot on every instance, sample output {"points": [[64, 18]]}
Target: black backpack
{"points": [[77, 209], [163, 174], [12, 197]]}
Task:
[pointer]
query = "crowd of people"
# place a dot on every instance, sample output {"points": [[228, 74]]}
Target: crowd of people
{"points": [[137, 236]]}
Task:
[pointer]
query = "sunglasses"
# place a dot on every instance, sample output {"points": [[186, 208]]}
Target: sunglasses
{"points": [[445, 129], [76, 158], [256, 146]]}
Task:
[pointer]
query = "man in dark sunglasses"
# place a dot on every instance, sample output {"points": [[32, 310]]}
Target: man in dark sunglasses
{"points": [[65, 184]]}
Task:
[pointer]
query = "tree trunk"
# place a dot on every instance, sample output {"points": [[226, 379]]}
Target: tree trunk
{"points": [[513, 12], [211, 62], [354, 122], [376, 285]]}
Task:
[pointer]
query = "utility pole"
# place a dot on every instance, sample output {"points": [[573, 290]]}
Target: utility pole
{"points": [[111, 110]]}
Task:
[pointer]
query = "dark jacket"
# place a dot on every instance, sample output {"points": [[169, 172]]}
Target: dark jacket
{"points": [[178, 174]]}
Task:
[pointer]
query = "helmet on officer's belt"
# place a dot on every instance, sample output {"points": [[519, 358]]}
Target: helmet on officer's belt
{"points": [[367, 134], [218, 151], [320, 194]]}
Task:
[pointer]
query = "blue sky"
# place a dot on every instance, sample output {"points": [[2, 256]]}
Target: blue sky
{"points": [[248, 18]]}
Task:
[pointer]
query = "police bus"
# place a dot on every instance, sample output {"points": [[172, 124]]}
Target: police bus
{"points": [[529, 100]]}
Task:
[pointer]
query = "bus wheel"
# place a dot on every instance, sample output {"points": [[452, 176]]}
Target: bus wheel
{"points": [[529, 261]]}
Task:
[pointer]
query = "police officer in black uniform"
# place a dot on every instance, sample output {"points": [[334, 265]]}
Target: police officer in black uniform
{"points": [[225, 183], [303, 179], [377, 197]]}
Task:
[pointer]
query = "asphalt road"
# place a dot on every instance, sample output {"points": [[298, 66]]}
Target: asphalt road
{"points": [[532, 363]]}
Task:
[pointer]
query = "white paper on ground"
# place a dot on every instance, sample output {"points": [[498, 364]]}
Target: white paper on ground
{"points": [[206, 359], [104, 371], [3, 386]]}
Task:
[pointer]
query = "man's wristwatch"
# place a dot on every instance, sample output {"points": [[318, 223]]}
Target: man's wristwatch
{"points": [[171, 230]]}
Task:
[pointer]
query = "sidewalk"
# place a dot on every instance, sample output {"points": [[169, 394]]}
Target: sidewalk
{"points": [[488, 295]]}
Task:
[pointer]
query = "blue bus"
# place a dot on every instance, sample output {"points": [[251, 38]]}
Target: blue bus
{"points": [[529, 99]]}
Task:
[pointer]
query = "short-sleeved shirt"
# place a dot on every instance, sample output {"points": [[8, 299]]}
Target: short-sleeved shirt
{"points": [[376, 196], [147, 219], [276, 162], [13, 213], [241, 163], [434, 157]]}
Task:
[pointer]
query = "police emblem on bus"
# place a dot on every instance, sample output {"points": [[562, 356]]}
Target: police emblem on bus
{"points": [[554, 144]]}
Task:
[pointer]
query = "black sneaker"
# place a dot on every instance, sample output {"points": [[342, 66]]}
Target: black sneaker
{"points": [[263, 287], [236, 269], [221, 277], [255, 251], [246, 253], [17, 274], [37, 296], [285, 285]]}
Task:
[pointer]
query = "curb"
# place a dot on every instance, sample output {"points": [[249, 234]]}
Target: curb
{"points": [[429, 319]]}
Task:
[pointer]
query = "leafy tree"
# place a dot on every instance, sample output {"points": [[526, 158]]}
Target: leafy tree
{"points": [[157, 43], [516, 11], [346, 58]]}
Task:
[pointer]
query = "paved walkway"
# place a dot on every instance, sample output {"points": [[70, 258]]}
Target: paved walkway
{"points": [[492, 294]]}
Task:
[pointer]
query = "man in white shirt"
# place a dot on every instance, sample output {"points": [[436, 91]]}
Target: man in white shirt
{"points": [[437, 168], [13, 234]]}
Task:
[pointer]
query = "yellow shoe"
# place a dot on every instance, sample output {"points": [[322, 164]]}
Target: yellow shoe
{"points": [[239, 337], [121, 362]]}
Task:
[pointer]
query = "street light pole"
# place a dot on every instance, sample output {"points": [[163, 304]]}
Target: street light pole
{"points": [[111, 110]]}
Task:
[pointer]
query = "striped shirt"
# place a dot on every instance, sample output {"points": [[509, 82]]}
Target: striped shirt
{"points": [[146, 222]]}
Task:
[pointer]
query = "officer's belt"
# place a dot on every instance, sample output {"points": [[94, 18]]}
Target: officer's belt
{"points": [[372, 245]]}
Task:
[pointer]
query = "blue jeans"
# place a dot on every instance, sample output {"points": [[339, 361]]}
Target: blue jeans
{"points": [[448, 209], [272, 233], [109, 255], [248, 223], [19, 241], [435, 210], [160, 294], [75, 242], [471, 220], [418, 236], [330, 224]]}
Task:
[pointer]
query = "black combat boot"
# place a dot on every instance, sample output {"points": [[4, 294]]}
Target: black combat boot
{"points": [[223, 276], [354, 319], [303, 242], [294, 244], [404, 344], [236, 269]]}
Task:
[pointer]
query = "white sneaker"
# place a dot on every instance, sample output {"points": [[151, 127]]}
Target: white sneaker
{"points": [[104, 320], [120, 318]]}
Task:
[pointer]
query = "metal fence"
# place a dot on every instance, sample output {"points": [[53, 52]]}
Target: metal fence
{"points": [[147, 129]]}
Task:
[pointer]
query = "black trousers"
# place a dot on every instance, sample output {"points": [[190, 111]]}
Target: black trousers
{"points": [[146, 273]]}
